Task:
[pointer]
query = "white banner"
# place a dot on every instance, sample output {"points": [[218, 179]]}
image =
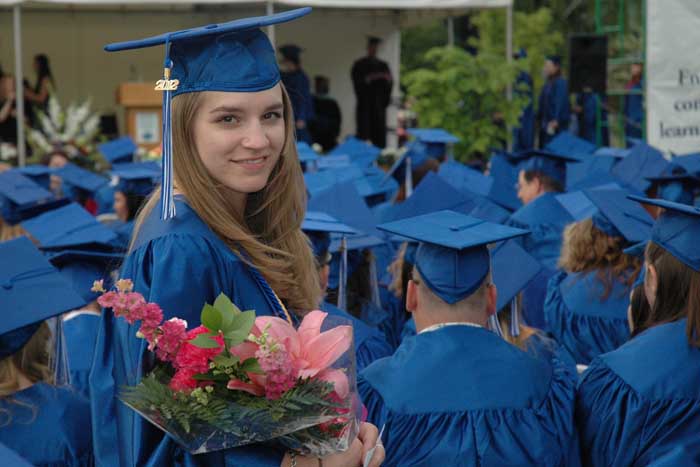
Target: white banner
{"points": [[673, 75]]}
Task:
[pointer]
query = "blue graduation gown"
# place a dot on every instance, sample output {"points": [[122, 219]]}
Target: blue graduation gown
{"points": [[370, 343], [580, 321], [297, 85], [179, 264], [462, 396], [123, 231], [640, 401], [590, 102], [49, 426], [396, 316], [524, 134], [80, 332], [684, 455], [553, 105]]}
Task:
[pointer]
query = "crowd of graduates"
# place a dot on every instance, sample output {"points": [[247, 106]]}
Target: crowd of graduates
{"points": [[544, 311]]}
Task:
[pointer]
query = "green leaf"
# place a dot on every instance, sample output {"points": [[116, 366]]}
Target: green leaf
{"points": [[240, 327], [210, 377], [211, 318], [204, 341], [252, 366], [222, 360]]}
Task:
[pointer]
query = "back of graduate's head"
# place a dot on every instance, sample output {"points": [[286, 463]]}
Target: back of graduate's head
{"points": [[228, 144], [429, 309], [30, 364], [533, 183], [672, 289]]}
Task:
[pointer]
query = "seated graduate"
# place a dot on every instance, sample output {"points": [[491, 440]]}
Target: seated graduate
{"points": [[41, 419], [457, 394], [640, 401], [675, 184], [370, 343], [81, 185], [136, 182], [586, 304], [541, 176]]}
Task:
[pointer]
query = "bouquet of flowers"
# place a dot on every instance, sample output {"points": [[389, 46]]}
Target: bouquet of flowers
{"points": [[238, 379]]}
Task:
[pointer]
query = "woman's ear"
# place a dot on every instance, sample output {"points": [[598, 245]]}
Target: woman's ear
{"points": [[411, 296], [491, 300], [651, 284]]}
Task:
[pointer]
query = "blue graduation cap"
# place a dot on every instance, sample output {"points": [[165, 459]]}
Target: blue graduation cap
{"points": [[504, 172], [636, 250], [464, 178], [355, 147], [83, 267], [343, 202], [690, 162], [318, 226], [39, 174], [32, 291], [547, 163], [232, 57], [373, 189], [676, 184], [118, 150], [617, 153], [20, 197], [643, 161], [69, 226], [567, 143], [578, 175], [618, 216], [414, 155], [489, 211], [513, 270], [307, 156], [80, 181], [453, 257], [677, 230], [435, 140], [135, 179]]}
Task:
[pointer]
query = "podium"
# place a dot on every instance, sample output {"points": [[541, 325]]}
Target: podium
{"points": [[143, 112]]}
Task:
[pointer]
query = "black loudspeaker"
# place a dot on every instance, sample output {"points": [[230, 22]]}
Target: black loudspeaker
{"points": [[588, 70]]}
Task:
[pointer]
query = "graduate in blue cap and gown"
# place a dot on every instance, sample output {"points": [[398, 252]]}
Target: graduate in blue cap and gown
{"points": [[587, 301], [541, 176], [135, 183], [494, 404], [44, 421], [553, 111], [81, 185], [634, 104], [226, 219], [639, 402], [676, 184], [299, 89], [524, 133], [116, 152]]}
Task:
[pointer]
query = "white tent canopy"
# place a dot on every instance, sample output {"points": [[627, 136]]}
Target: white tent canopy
{"points": [[72, 32]]}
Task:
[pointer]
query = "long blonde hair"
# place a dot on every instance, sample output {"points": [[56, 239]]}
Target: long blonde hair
{"points": [[32, 362], [270, 233]]}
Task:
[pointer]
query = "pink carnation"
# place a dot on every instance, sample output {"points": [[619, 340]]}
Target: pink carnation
{"points": [[107, 300], [195, 358], [174, 333], [151, 316], [183, 380]]}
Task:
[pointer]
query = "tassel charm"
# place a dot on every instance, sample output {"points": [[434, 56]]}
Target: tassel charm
{"points": [[167, 86]]}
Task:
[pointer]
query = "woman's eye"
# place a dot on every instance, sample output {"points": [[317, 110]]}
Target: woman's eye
{"points": [[272, 115], [228, 119]]}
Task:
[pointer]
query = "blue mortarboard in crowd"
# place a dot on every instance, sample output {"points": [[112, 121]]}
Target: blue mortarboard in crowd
{"points": [[453, 257], [21, 198], [677, 230], [39, 174], [10, 458], [617, 153], [676, 184], [415, 152], [643, 161], [32, 291], [637, 249], [236, 56], [489, 211], [618, 216], [435, 140], [355, 147], [373, 187], [556, 59], [551, 164], [568, 144], [343, 202], [464, 178], [135, 179], [319, 226], [505, 178], [291, 52], [83, 267], [118, 150], [69, 226], [79, 181], [690, 162], [579, 175], [307, 156]]}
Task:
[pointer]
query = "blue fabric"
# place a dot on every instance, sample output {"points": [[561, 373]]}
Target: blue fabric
{"points": [[464, 178], [546, 219], [505, 177], [123, 230], [580, 320], [643, 162], [49, 426], [165, 254], [494, 404], [568, 144], [299, 90], [640, 401], [553, 105], [590, 103], [80, 333], [533, 297], [104, 197], [577, 173], [683, 455], [370, 343], [524, 133], [392, 326]]}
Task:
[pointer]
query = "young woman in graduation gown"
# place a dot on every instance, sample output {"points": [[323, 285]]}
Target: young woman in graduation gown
{"points": [[639, 402], [240, 201], [586, 304]]}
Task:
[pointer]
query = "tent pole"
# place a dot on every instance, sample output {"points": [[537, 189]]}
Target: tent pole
{"points": [[450, 31], [270, 10], [19, 86], [509, 58]]}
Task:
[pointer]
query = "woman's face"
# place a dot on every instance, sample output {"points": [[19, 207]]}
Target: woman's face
{"points": [[57, 161], [239, 136], [121, 207]]}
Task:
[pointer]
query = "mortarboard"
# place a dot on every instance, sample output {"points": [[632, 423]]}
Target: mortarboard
{"points": [[435, 140], [21, 198], [464, 178], [548, 163], [319, 226], [69, 226], [677, 230], [504, 172], [343, 202], [618, 216], [118, 150], [83, 267], [359, 152], [39, 174], [80, 179], [453, 257], [643, 161], [135, 179], [307, 156], [235, 56], [618, 153], [414, 156], [568, 144], [32, 291], [690, 162], [676, 184]]}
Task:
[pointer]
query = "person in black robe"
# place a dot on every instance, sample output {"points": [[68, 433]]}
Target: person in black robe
{"points": [[372, 81], [299, 89], [325, 128]]}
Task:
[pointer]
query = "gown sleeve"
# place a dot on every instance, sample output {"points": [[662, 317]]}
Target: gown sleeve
{"points": [[180, 273]]}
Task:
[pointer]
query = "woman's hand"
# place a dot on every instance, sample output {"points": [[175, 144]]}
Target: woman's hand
{"points": [[369, 437], [350, 458]]}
